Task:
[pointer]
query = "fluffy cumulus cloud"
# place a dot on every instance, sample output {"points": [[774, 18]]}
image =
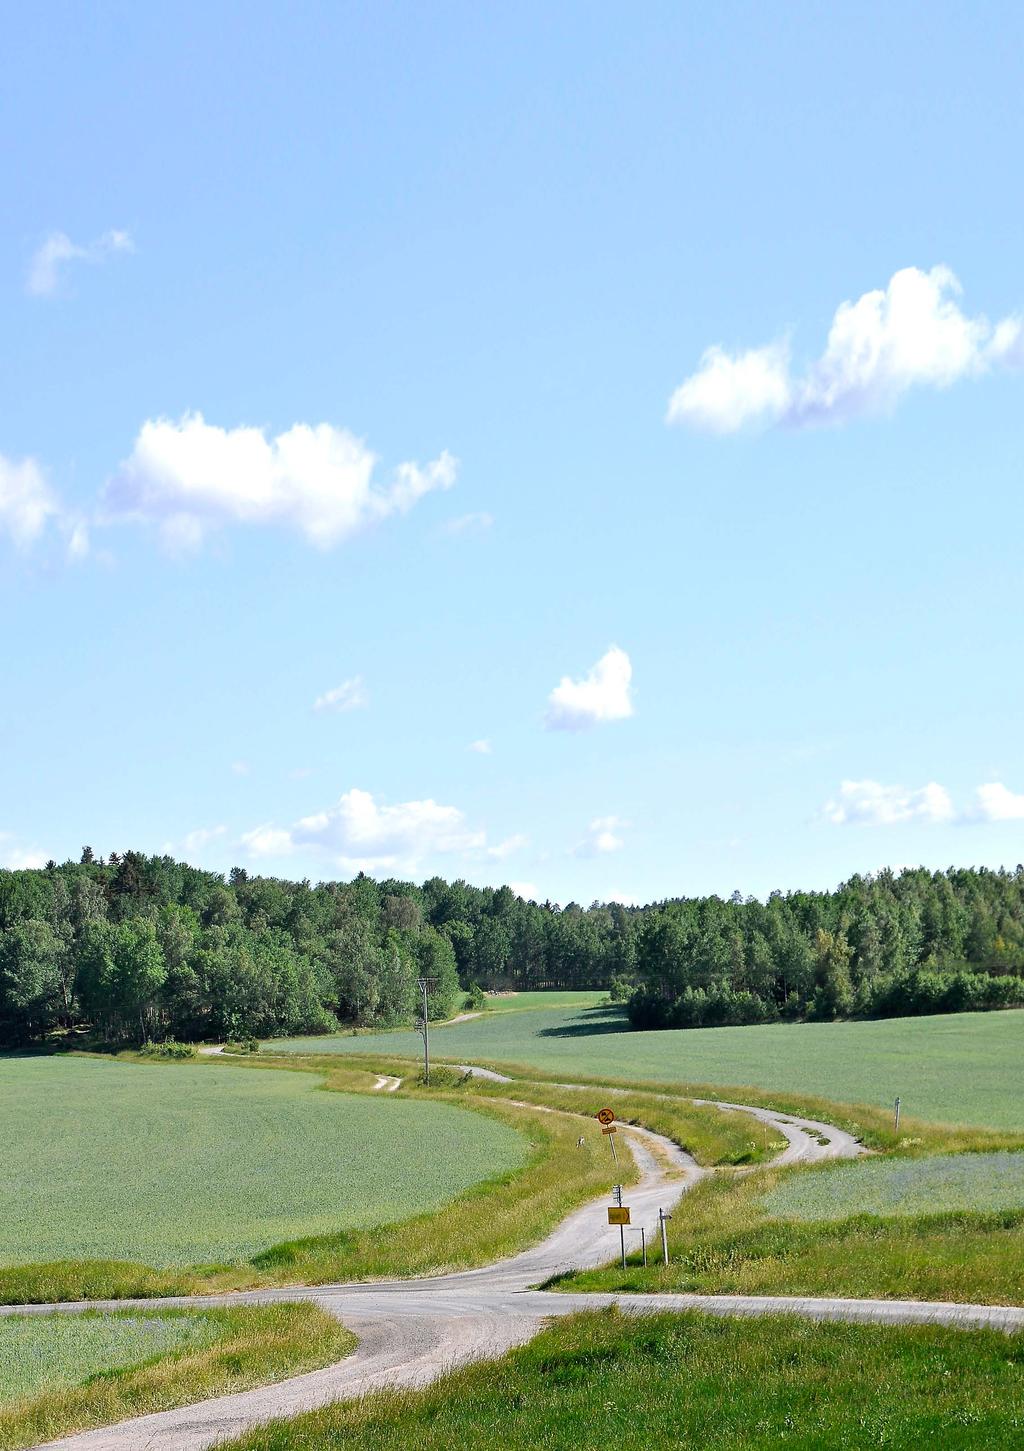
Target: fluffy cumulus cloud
{"points": [[871, 803], [349, 695], [602, 837], [996, 802], [57, 252], [360, 833], [190, 476], [912, 333], [527, 890], [604, 694]]}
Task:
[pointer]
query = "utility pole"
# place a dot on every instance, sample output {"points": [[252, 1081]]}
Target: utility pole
{"points": [[663, 1219], [423, 983]]}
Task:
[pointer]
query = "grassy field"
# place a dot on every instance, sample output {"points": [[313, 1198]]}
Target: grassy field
{"points": [[492, 1218], [600, 1381], [903, 1186], [966, 1068], [64, 1373], [101, 1160]]}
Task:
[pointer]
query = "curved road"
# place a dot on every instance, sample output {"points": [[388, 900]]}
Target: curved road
{"points": [[412, 1331]]}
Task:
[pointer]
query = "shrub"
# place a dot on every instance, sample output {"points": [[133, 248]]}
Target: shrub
{"points": [[168, 1049]]}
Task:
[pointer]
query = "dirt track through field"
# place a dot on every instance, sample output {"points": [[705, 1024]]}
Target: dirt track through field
{"points": [[412, 1331]]}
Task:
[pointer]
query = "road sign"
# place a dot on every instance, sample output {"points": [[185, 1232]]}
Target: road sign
{"points": [[606, 1116], [609, 1129], [618, 1214]]}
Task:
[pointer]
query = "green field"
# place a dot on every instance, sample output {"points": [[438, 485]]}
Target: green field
{"points": [[68, 1372], [170, 1165], [40, 1352], [963, 1068], [931, 1185], [602, 1383]]}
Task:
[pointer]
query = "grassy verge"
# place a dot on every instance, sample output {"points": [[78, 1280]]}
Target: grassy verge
{"points": [[237, 1349], [724, 1242], [599, 1380], [711, 1136]]}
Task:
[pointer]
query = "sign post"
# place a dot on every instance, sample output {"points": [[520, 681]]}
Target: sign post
{"points": [[896, 1113], [619, 1214], [606, 1118]]}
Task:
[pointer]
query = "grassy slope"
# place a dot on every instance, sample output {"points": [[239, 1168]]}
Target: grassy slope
{"points": [[598, 1381], [966, 1068], [258, 1157], [105, 1368]]}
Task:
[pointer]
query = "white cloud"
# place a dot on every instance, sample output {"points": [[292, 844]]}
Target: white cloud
{"points": [[29, 509], [196, 840], [361, 834], [267, 840], [27, 504], [191, 476], [870, 803], [602, 695], [481, 747], [912, 333], [349, 695], [995, 802], [19, 858], [57, 252], [602, 836], [622, 899], [728, 391], [468, 524], [508, 846], [527, 890]]}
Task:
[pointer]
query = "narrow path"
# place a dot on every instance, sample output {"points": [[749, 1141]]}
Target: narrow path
{"points": [[412, 1331], [387, 1083]]}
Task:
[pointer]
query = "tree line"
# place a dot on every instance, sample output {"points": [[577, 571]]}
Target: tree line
{"points": [[139, 947]]}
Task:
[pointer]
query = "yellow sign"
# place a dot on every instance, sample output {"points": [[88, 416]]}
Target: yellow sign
{"points": [[606, 1116], [618, 1214], [609, 1129]]}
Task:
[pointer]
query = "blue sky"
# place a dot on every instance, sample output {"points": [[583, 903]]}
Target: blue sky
{"points": [[358, 411]]}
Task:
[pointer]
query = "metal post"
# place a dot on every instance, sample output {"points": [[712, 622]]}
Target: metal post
{"points": [[622, 1243], [663, 1219], [896, 1123], [615, 1157], [643, 1244]]}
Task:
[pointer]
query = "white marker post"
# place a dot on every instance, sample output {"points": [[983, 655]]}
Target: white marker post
{"points": [[663, 1219], [896, 1118]]}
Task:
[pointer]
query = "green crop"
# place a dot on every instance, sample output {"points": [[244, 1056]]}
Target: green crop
{"points": [[170, 1165], [903, 1186]]}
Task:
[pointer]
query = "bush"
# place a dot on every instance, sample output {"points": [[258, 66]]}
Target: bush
{"points": [[168, 1049], [476, 1000], [244, 1045]]}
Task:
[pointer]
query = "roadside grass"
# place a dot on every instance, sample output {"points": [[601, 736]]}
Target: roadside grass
{"points": [[724, 1241], [710, 1135], [963, 1068], [603, 1380], [64, 1373]]}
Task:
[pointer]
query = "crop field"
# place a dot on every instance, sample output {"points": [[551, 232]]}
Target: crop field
{"points": [[45, 1351], [172, 1165], [966, 1068], [930, 1185]]}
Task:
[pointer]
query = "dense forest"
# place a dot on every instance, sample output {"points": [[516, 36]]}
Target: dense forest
{"points": [[136, 947]]}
